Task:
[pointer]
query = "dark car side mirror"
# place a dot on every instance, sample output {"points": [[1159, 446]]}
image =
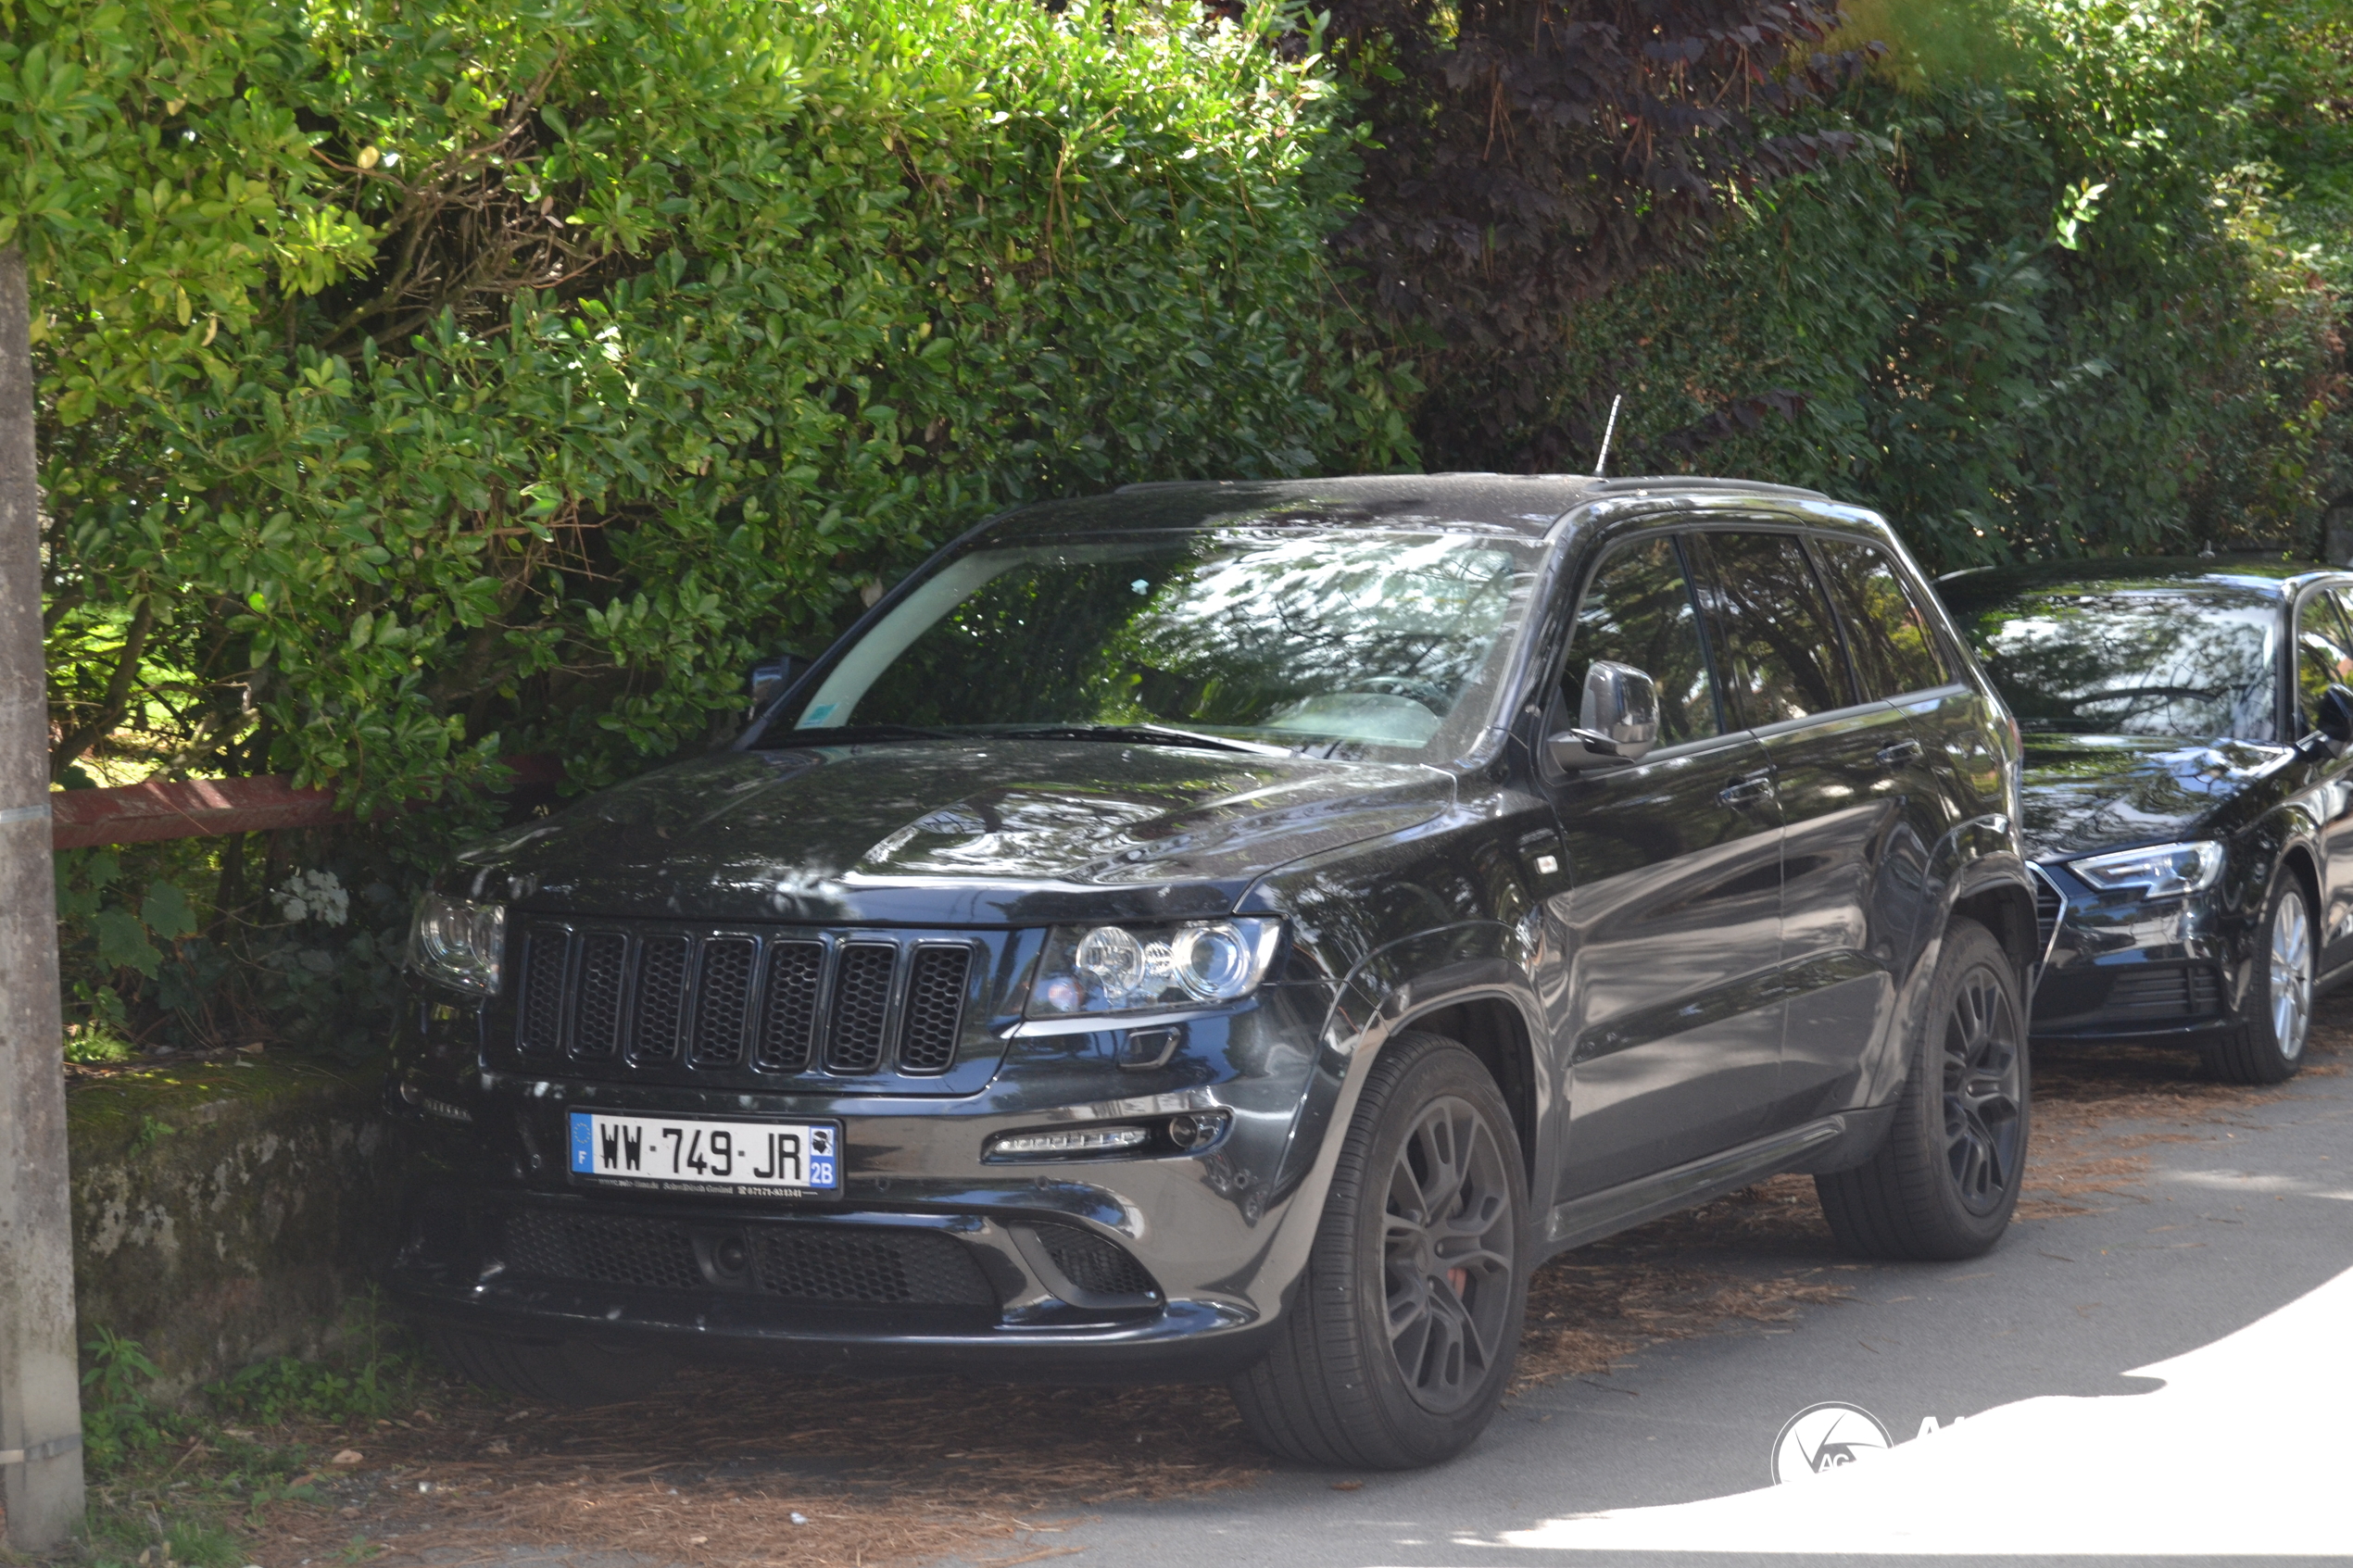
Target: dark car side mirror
{"points": [[2333, 716], [771, 677], [1617, 719]]}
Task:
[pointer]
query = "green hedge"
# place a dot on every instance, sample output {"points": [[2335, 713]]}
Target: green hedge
{"points": [[484, 381], [2049, 312]]}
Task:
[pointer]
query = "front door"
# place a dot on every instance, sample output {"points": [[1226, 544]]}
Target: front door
{"points": [[1673, 918], [2325, 658]]}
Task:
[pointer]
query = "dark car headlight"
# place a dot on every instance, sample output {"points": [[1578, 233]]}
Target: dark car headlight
{"points": [[2160, 870], [1151, 968], [458, 943]]}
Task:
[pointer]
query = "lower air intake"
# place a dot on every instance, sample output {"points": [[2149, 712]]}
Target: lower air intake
{"points": [[869, 1267], [606, 1248], [1099, 1267]]}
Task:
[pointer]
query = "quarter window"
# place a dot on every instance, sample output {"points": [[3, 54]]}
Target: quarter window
{"points": [[1782, 658], [1894, 652], [1638, 611]]}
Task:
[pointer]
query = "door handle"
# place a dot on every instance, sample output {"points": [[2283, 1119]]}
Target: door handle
{"points": [[1902, 754], [1747, 789]]}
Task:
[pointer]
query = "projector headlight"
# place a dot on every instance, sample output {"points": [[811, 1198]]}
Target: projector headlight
{"points": [[2162, 871], [458, 942], [1152, 968]]}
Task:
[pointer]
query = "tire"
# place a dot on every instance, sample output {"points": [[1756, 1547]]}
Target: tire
{"points": [[2267, 1046], [573, 1373], [1943, 1184], [1341, 1388]]}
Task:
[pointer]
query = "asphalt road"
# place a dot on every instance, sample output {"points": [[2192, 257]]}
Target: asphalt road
{"points": [[2170, 1376]]}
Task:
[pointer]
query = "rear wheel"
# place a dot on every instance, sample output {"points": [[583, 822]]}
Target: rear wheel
{"points": [[1944, 1183], [2268, 1046], [1400, 1342], [573, 1373]]}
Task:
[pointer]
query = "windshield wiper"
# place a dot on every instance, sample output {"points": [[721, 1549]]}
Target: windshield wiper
{"points": [[1149, 735], [845, 734]]}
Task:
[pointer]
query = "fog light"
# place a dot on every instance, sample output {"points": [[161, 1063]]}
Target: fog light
{"points": [[1197, 1129], [1091, 1140]]}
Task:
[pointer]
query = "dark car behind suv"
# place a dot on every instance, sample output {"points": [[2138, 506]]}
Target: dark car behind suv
{"points": [[1239, 930], [2188, 793]]}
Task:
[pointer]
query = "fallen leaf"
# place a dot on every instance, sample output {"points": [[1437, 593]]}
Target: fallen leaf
{"points": [[347, 1456], [1348, 1485]]}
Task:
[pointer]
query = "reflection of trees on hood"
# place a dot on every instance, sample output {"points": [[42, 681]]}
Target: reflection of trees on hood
{"points": [[2119, 661]]}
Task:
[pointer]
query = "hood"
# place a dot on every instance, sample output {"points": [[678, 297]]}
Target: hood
{"points": [[2088, 792], [947, 832]]}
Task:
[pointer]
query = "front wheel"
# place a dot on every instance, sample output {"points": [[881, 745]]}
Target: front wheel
{"points": [[1944, 1183], [2268, 1046], [1400, 1342]]}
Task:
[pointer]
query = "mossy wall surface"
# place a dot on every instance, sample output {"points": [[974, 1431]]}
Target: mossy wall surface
{"points": [[223, 1211]]}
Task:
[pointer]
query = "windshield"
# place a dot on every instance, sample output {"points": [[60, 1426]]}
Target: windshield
{"points": [[1364, 641], [2191, 662]]}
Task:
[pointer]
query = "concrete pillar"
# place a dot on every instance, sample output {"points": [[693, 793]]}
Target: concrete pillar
{"points": [[40, 1395]]}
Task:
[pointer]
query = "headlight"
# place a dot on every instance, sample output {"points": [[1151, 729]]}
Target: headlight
{"points": [[1151, 968], [458, 943], [2161, 872]]}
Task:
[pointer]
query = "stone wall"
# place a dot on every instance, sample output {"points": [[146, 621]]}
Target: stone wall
{"points": [[224, 1211]]}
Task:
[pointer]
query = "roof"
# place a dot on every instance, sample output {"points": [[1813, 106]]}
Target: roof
{"points": [[2267, 575], [1527, 504]]}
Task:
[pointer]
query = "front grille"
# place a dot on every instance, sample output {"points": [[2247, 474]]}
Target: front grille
{"points": [[2166, 991], [605, 1248], [2048, 908], [724, 1000], [1093, 1264], [835, 1265], [873, 1267]]}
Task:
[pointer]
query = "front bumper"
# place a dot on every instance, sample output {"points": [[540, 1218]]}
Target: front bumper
{"points": [[1160, 1266], [2122, 967]]}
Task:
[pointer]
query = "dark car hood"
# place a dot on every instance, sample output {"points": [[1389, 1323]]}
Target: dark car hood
{"points": [[2086, 793], [949, 833]]}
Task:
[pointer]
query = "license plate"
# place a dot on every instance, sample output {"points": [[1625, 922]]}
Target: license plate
{"points": [[670, 1154]]}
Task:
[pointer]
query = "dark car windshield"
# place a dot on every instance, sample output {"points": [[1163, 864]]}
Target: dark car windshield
{"points": [[1339, 641], [2188, 660]]}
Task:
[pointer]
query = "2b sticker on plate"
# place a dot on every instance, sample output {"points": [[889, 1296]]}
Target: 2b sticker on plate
{"points": [[674, 1154]]}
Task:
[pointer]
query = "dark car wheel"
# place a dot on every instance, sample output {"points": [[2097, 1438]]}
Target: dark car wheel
{"points": [[2277, 1017], [1402, 1339], [568, 1374], [1943, 1184]]}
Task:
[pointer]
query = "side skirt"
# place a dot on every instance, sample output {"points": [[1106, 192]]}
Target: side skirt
{"points": [[1828, 1144]]}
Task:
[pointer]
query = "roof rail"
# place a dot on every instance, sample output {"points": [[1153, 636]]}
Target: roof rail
{"points": [[1693, 482]]}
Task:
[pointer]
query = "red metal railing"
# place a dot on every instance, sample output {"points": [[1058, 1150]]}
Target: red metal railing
{"points": [[142, 813]]}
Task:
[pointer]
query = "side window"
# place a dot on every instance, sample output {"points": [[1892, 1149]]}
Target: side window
{"points": [[1638, 611], [1781, 656], [2323, 651], [1894, 651]]}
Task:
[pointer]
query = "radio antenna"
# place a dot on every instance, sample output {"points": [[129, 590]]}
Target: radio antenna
{"points": [[1602, 463]]}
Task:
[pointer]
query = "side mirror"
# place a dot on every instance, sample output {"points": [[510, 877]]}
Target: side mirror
{"points": [[1618, 720], [2333, 716], [771, 677]]}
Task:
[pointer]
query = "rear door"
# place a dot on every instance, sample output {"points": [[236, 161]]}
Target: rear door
{"points": [[1840, 758], [1673, 915]]}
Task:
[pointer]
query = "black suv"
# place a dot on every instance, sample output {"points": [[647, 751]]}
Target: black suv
{"points": [[1239, 930]]}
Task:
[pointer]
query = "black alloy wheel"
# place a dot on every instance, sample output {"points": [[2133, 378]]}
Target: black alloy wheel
{"points": [[1985, 1064], [1943, 1181], [1398, 1343], [1448, 1253]]}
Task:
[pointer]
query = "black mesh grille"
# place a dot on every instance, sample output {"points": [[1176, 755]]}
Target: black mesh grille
{"points": [[541, 1006], [861, 1001], [723, 999], [871, 1267], [661, 993], [788, 1011], [1093, 1264], [596, 1018], [935, 1009], [608, 1248], [2049, 906], [2166, 991]]}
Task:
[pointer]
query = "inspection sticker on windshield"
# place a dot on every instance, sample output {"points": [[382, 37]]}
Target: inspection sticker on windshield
{"points": [[671, 1154]]}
